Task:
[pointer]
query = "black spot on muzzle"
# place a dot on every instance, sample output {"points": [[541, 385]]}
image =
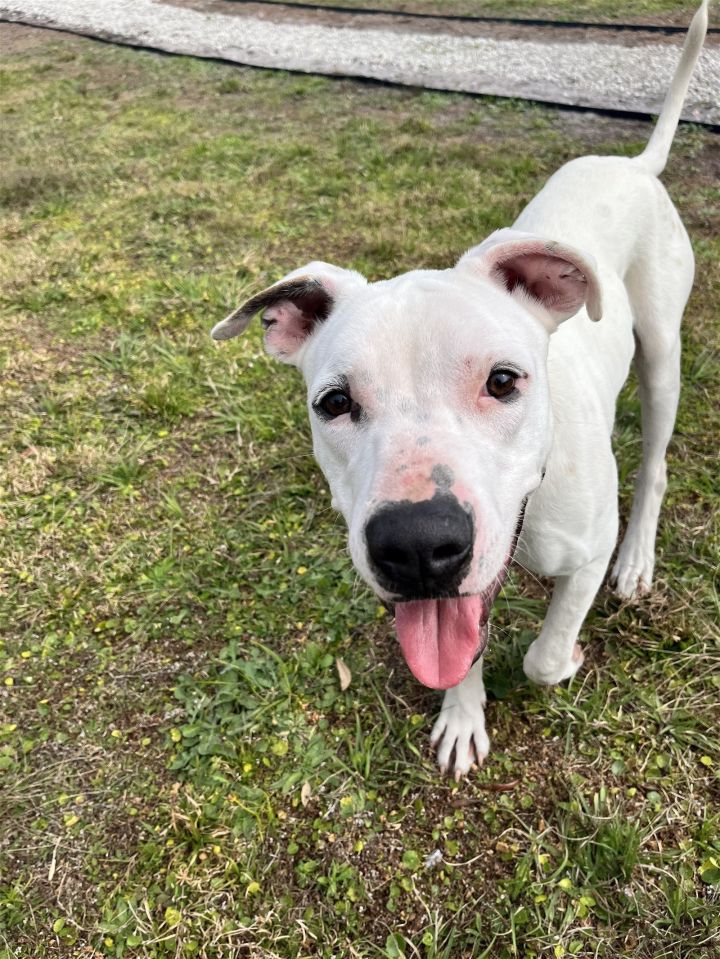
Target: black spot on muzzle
{"points": [[421, 550]]}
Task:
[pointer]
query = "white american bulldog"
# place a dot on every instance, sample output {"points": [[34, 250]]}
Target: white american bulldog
{"points": [[445, 404]]}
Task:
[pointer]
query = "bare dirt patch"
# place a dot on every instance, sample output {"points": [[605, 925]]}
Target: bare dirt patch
{"points": [[17, 38]]}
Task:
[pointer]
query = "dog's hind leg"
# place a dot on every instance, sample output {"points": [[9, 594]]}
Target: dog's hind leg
{"points": [[658, 291]]}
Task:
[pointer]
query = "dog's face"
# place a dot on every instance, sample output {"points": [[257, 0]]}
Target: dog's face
{"points": [[430, 412]]}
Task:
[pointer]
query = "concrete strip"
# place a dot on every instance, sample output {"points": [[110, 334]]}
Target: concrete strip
{"points": [[603, 75]]}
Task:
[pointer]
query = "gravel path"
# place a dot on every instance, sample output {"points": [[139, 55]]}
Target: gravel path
{"points": [[591, 74]]}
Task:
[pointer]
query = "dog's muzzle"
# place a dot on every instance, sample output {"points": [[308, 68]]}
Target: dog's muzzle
{"points": [[420, 550]]}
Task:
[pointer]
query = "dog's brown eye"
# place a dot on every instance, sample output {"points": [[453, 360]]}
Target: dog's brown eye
{"points": [[501, 384], [336, 404]]}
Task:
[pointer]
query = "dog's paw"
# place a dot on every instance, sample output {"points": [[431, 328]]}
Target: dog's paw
{"points": [[459, 734], [632, 573], [546, 669], [633, 570]]}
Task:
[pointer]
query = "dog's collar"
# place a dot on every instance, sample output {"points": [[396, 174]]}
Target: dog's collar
{"points": [[518, 530], [521, 517]]}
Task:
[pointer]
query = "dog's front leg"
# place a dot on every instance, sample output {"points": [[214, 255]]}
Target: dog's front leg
{"points": [[556, 655], [460, 727]]}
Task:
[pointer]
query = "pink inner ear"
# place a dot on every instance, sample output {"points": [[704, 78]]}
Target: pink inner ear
{"points": [[559, 285], [293, 311], [286, 327]]}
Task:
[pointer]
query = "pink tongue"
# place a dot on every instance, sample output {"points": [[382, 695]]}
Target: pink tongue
{"points": [[439, 638]]}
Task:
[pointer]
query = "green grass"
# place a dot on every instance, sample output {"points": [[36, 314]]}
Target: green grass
{"points": [[181, 773], [640, 11]]}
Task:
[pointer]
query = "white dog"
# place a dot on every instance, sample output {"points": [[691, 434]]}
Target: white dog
{"points": [[446, 405]]}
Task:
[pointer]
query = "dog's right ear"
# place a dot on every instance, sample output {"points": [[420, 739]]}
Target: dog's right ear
{"points": [[293, 308]]}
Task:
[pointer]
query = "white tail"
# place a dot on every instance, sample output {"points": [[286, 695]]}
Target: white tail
{"points": [[654, 156]]}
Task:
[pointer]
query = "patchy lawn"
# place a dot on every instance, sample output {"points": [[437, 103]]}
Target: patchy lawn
{"points": [[181, 773]]}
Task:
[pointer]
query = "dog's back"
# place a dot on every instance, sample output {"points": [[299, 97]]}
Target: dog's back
{"points": [[618, 210]]}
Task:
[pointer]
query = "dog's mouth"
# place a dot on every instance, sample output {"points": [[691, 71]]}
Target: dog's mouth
{"points": [[441, 638]]}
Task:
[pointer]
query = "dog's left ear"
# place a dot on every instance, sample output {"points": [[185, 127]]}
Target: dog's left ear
{"points": [[559, 277], [292, 308]]}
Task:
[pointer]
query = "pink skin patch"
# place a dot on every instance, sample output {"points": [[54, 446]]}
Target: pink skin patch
{"points": [[410, 478], [417, 476]]}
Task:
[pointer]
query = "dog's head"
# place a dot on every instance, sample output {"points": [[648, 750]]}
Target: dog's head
{"points": [[430, 410]]}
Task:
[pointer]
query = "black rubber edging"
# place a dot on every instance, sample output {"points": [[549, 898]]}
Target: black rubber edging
{"points": [[369, 81], [468, 18]]}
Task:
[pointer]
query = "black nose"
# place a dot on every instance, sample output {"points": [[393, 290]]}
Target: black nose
{"points": [[421, 550]]}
